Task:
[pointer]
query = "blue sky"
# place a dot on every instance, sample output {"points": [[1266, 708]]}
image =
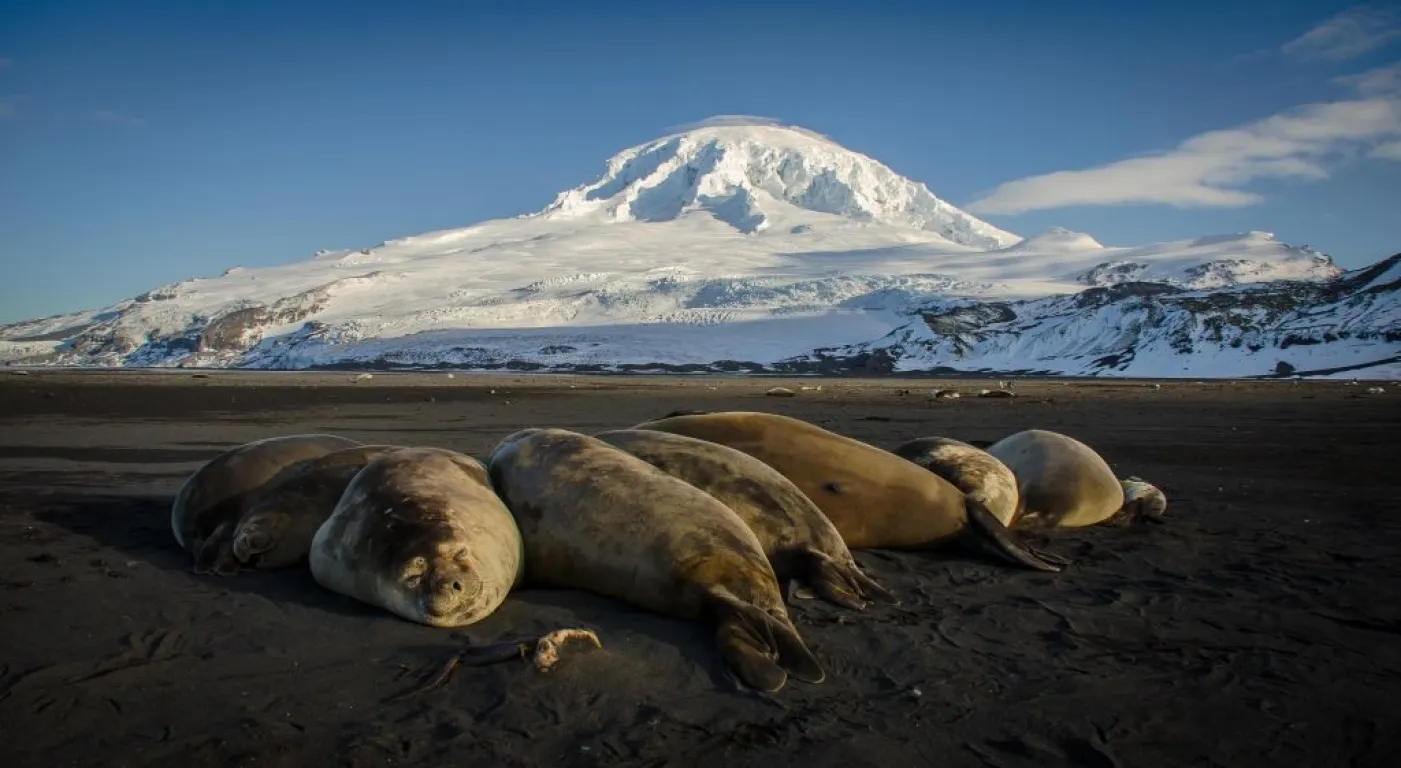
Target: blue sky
{"points": [[142, 143]]}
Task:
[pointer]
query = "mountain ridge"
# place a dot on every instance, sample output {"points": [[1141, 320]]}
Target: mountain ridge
{"points": [[748, 247]]}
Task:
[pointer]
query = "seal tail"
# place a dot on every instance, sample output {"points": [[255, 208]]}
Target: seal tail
{"points": [[844, 583], [762, 650], [1000, 541]]}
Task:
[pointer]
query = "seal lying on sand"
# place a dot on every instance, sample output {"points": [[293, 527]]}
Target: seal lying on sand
{"points": [[420, 533], [596, 518], [1064, 483], [972, 470], [208, 505], [873, 497], [280, 521], [801, 543]]}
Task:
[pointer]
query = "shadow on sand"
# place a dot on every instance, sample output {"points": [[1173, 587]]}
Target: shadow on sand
{"points": [[139, 527]]}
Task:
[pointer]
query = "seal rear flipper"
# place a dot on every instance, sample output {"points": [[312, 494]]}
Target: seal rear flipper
{"points": [[760, 648], [843, 583], [997, 539], [748, 650]]}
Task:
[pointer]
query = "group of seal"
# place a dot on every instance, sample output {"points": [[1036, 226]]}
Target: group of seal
{"points": [[699, 515]]}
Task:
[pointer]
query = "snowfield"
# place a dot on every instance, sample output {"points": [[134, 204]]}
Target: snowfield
{"points": [[758, 248]]}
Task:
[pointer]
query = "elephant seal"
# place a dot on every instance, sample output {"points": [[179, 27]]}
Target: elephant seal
{"points": [[1063, 483], [280, 521], [599, 519], [208, 505], [873, 497], [800, 542], [420, 533], [971, 469]]}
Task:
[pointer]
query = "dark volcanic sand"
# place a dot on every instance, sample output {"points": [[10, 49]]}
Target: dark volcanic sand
{"points": [[1261, 625]]}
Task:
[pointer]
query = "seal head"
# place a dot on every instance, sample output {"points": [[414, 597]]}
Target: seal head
{"points": [[281, 519], [208, 505], [972, 470], [420, 533]]}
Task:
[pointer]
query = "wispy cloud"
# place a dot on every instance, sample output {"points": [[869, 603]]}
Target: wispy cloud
{"points": [[1210, 169], [1381, 81], [116, 118], [1358, 30], [1388, 151]]}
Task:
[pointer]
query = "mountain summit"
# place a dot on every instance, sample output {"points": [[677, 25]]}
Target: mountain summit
{"points": [[743, 245], [755, 175]]}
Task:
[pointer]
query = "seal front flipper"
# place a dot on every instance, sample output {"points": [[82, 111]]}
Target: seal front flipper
{"points": [[1050, 557], [1000, 541], [759, 649], [843, 583], [216, 554]]}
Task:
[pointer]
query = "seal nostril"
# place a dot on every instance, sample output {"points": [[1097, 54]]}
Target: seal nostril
{"points": [[457, 586]]}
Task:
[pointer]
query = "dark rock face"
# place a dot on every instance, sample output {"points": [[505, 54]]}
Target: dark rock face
{"points": [[234, 331]]}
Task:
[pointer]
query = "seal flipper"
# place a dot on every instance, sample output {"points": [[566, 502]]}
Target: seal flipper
{"points": [[216, 554], [997, 539], [843, 583], [761, 650]]}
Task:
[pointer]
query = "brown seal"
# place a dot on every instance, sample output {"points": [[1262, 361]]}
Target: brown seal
{"points": [[596, 518], [801, 543], [280, 520], [1064, 483], [971, 469], [420, 533], [875, 498], [208, 505]]}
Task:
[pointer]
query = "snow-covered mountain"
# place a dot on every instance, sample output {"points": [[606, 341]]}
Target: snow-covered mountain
{"points": [[757, 247]]}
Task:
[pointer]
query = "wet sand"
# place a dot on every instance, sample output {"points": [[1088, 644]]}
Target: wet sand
{"points": [[1259, 625]]}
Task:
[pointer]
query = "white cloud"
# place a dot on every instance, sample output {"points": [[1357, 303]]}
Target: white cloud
{"points": [[1358, 30], [116, 118], [1209, 169], [1381, 81]]}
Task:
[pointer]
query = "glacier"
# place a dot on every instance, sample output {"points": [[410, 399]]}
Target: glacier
{"points": [[750, 246]]}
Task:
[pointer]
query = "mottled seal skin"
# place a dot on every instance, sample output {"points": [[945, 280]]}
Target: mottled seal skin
{"points": [[421, 533], [280, 520], [801, 543], [1064, 483], [874, 498], [209, 504], [599, 519], [971, 470]]}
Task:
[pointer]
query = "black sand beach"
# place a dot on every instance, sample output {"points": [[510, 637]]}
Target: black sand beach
{"points": [[1260, 624]]}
